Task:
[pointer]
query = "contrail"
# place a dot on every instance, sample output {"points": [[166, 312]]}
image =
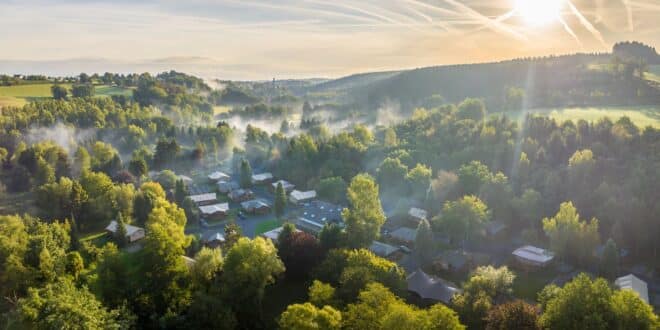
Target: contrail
{"points": [[629, 13], [569, 30], [441, 23], [496, 26], [586, 23]]}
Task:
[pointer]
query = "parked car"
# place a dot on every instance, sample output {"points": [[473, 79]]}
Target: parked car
{"points": [[241, 215]]}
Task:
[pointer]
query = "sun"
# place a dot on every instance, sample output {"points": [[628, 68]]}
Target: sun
{"points": [[539, 12]]}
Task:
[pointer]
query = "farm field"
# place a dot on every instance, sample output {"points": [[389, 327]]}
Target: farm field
{"points": [[20, 95], [642, 116]]}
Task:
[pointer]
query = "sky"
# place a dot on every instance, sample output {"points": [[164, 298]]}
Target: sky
{"points": [[255, 39]]}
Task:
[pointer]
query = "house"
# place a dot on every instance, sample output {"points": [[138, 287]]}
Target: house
{"points": [[316, 214], [632, 282], [417, 215], [133, 233], [288, 186], [255, 206], [494, 228], [262, 178], [299, 197], [218, 176], [404, 235], [533, 256], [431, 287], [215, 211], [213, 240], [227, 186], [453, 260], [240, 195], [274, 234], [383, 250], [203, 199]]}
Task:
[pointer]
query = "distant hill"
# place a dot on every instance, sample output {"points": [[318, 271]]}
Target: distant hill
{"points": [[568, 80]]}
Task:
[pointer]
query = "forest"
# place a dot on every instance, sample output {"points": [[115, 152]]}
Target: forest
{"points": [[470, 157]]}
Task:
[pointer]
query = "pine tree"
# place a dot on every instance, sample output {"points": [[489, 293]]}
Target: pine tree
{"points": [[610, 263], [280, 200], [424, 241], [73, 232], [120, 234], [180, 192], [246, 174]]}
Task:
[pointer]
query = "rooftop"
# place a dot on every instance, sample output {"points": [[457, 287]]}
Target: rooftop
{"points": [[417, 213], [533, 253], [381, 249], [203, 197], [303, 195], [321, 212], [218, 176], [130, 230], [285, 184], [211, 209], [274, 234], [254, 203], [404, 234], [262, 177], [213, 237], [431, 287]]}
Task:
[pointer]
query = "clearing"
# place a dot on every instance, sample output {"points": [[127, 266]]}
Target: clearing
{"points": [[19, 95], [642, 116]]}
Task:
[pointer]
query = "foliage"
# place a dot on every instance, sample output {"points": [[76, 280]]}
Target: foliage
{"points": [[280, 200], [424, 244], [513, 315], [464, 218], [365, 215], [307, 316], [570, 237], [479, 293]]}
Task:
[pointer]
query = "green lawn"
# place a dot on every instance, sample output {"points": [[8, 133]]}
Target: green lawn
{"points": [[19, 95], [265, 226], [642, 116], [105, 90]]}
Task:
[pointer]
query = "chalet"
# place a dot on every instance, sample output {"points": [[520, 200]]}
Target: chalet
{"points": [[431, 287], [404, 235], [133, 233], [215, 211], [203, 199], [255, 206], [288, 186], [533, 256], [316, 214], [383, 250], [416, 215], [632, 282], [213, 240], [274, 234], [227, 186], [218, 176], [262, 178], [298, 197], [240, 195]]}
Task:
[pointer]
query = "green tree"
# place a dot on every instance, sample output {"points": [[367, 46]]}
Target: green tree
{"points": [[479, 292], [322, 294], [610, 263], [61, 305], [112, 273], [59, 92], [332, 189], [138, 167], [474, 109], [280, 200], [419, 180], [233, 233], [307, 317], [208, 265], [570, 237], [245, 174], [121, 234], [463, 218], [250, 265], [513, 315], [74, 264], [472, 176], [365, 215], [82, 90], [424, 244]]}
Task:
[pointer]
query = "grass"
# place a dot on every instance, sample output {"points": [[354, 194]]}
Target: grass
{"points": [[105, 90], [19, 95], [97, 238], [219, 109], [265, 226], [642, 116]]}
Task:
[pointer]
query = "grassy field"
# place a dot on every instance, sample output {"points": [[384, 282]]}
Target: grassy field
{"points": [[265, 226], [642, 116], [220, 109], [19, 95]]}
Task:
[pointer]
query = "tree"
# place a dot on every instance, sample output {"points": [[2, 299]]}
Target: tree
{"points": [[307, 316], [167, 179], [419, 180], [591, 304], [463, 218], [331, 236], [424, 244], [208, 265], [233, 233], [570, 237], [472, 176], [61, 305], [280, 200], [474, 109], [250, 265], [513, 315], [166, 152], [82, 90], [365, 215], [528, 207], [245, 174], [138, 167], [610, 263], [111, 274], [322, 294], [59, 92], [482, 288], [299, 252], [74, 264], [121, 234], [332, 189], [392, 172]]}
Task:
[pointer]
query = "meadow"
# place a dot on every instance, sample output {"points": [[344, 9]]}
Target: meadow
{"points": [[19, 95], [642, 116]]}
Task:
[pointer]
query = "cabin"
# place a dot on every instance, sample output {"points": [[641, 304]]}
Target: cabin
{"points": [[204, 199], [133, 233], [316, 214], [533, 256], [215, 211], [416, 215], [299, 197], [218, 176], [404, 235], [262, 178], [255, 206], [633, 283], [288, 186], [274, 234], [431, 288], [225, 187], [213, 240], [240, 195]]}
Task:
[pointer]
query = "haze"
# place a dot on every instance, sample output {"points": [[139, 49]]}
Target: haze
{"points": [[296, 38]]}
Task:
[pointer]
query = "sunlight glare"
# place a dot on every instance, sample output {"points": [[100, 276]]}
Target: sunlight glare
{"points": [[539, 12]]}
